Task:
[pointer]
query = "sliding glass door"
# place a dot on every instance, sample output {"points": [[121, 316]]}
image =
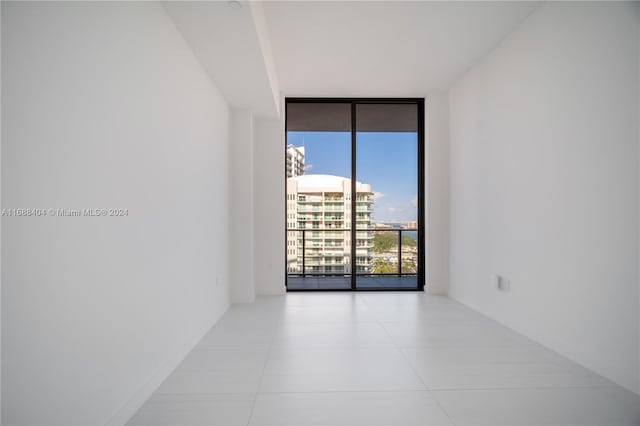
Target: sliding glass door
{"points": [[386, 221], [354, 194]]}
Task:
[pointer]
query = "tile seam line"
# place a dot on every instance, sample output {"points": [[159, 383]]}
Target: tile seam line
{"points": [[525, 388], [437, 401], [264, 368], [416, 391]]}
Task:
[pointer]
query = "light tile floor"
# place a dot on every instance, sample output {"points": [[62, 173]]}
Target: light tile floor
{"points": [[377, 359]]}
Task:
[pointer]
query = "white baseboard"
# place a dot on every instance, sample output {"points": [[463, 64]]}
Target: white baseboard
{"points": [[136, 401], [581, 359]]}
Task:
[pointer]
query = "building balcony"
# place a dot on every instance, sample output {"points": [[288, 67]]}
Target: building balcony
{"points": [[309, 218], [339, 280]]}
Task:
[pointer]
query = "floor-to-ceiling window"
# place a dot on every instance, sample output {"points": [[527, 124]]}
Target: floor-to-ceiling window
{"points": [[354, 194]]}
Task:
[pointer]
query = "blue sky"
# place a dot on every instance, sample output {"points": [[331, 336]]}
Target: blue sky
{"points": [[387, 161]]}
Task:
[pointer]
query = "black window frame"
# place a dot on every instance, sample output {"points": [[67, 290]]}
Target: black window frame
{"points": [[421, 222]]}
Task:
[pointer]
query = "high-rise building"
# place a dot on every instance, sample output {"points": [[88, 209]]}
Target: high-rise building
{"points": [[319, 222], [295, 161]]}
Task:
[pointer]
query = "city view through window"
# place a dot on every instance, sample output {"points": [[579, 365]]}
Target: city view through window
{"points": [[322, 251]]}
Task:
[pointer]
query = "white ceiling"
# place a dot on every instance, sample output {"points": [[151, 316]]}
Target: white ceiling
{"points": [[383, 48], [256, 50]]}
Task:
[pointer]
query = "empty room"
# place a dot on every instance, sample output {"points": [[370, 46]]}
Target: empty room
{"points": [[320, 213]]}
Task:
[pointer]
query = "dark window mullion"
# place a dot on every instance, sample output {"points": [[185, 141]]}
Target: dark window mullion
{"points": [[353, 196], [421, 201]]}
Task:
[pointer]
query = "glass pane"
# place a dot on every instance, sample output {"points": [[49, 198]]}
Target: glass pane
{"points": [[387, 198], [318, 196]]}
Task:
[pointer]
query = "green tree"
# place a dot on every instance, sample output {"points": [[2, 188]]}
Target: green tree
{"points": [[388, 240], [408, 267], [382, 266]]}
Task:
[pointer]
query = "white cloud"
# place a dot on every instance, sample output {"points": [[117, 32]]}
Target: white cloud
{"points": [[414, 201], [377, 195], [308, 167]]}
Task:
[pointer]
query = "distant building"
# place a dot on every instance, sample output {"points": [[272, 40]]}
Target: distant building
{"points": [[323, 202], [382, 225], [411, 225], [295, 161]]}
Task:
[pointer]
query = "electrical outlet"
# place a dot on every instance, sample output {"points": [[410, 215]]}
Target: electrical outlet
{"points": [[495, 281], [501, 283]]}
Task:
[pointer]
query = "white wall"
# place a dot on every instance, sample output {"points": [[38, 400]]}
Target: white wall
{"points": [[437, 184], [241, 206], [262, 33], [544, 184], [269, 207], [257, 206], [104, 106]]}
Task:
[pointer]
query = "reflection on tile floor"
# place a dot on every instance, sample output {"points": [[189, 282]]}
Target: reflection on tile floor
{"points": [[377, 358], [344, 283]]}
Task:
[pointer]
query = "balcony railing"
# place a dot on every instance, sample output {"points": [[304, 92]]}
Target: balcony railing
{"points": [[320, 251]]}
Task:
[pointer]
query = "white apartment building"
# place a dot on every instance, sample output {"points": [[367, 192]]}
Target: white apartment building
{"points": [[318, 223], [295, 160]]}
